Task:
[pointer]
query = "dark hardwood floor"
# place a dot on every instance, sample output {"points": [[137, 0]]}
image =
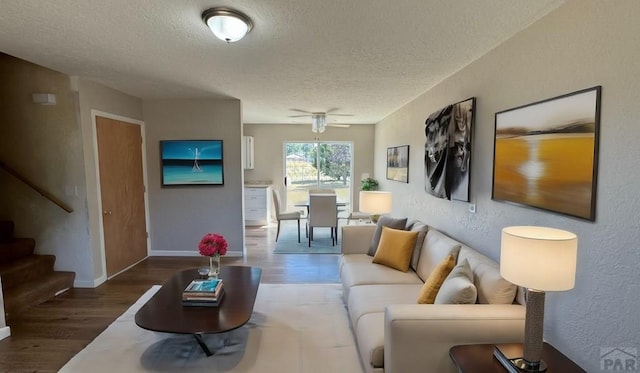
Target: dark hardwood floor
{"points": [[45, 337]]}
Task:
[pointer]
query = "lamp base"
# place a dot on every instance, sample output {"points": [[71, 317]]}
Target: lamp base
{"points": [[510, 357], [527, 366]]}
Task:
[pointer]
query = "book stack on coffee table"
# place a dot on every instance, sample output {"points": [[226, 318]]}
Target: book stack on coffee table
{"points": [[203, 293]]}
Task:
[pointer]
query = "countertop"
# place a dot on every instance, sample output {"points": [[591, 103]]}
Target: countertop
{"points": [[257, 184]]}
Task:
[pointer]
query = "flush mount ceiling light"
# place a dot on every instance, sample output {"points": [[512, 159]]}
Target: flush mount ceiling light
{"points": [[227, 24]]}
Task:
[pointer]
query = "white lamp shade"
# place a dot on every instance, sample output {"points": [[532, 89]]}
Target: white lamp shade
{"points": [[539, 258], [375, 202]]}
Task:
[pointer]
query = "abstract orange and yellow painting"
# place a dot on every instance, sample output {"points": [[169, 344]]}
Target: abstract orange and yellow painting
{"points": [[545, 154]]}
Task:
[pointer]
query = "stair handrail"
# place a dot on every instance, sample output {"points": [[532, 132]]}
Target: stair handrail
{"points": [[35, 187]]}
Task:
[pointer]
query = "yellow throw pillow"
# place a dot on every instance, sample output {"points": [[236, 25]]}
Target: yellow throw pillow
{"points": [[395, 248], [434, 281]]}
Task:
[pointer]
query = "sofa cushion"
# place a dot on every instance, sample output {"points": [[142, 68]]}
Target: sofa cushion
{"points": [[367, 299], [385, 221], [370, 337], [492, 288], [395, 248], [356, 271], [434, 281], [435, 248], [458, 287], [421, 228], [352, 258]]}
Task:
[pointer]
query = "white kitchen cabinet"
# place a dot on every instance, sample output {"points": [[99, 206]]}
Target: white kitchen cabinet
{"points": [[257, 206], [247, 152]]}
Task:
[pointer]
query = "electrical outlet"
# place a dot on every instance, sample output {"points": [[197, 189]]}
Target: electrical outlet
{"points": [[472, 208]]}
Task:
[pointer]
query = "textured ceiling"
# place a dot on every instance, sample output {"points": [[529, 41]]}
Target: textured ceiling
{"points": [[362, 57]]}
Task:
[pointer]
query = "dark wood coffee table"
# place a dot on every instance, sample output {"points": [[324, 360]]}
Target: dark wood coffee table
{"points": [[164, 312]]}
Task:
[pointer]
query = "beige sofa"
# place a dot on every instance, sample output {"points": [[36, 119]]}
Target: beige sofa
{"points": [[394, 334]]}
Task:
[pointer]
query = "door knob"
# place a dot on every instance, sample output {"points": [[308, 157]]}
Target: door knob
{"points": [[107, 212]]}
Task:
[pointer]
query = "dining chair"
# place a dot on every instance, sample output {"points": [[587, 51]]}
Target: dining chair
{"points": [[325, 191], [284, 215], [323, 212]]}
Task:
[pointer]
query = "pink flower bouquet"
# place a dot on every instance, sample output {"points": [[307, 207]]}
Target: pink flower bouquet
{"points": [[212, 244]]}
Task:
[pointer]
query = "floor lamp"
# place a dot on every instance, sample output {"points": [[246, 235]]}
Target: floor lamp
{"points": [[539, 259], [375, 203]]}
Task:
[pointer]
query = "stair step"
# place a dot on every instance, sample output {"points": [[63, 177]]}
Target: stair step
{"points": [[34, 292], [6, 230], [18, 271], [16, 248]]}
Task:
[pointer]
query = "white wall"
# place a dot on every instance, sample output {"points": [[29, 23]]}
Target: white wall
{"points": [[582, 44], [269, 142], [44, 144], [94, 96], [55, 147], [181, 215]]}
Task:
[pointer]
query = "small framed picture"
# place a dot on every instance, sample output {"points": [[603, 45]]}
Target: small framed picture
{"points": [[398, 163], [191, 162]]}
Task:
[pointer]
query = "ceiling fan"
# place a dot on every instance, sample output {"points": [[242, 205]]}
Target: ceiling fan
{"points": [[319, 119]]}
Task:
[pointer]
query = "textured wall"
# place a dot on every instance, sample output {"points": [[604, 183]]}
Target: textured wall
{"points": [[269, 142], [582, 44], [180, 216], [44, 144], [94, 96]]}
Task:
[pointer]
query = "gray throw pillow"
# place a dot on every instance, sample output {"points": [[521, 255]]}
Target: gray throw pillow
{"points": [[458, 287], [421, 228], [385, 221]]}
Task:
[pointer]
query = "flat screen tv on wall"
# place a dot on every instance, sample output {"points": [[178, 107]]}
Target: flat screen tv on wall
{"points": [[191, 162]]}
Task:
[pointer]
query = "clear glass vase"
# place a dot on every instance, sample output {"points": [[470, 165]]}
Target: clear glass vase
{"points": [[214, 266]]}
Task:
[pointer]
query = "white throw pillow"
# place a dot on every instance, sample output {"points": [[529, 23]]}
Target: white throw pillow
{"points": [[458, 287]]}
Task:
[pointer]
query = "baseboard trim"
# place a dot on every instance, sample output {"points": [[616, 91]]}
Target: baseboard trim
{"points": [[187, 253], [90, 284], [4, 332]]}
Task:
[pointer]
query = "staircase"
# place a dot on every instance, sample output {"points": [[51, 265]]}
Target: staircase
{"points": [[27, 279]]}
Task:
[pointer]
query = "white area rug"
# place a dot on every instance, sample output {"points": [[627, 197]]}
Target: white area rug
{"points": [[294, 328]]}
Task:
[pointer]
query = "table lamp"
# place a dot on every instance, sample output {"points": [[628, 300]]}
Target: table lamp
{"points": [[539, 259], [375, 203]]}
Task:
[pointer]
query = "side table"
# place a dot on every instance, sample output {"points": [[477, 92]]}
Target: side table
{"points": [[479, 359]]}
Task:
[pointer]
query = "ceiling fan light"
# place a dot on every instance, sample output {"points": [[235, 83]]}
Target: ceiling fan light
{"points": [[318, 123], [227, 24]]}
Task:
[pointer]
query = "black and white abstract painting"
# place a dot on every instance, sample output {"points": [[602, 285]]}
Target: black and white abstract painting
{"points": [[447, 151]]}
